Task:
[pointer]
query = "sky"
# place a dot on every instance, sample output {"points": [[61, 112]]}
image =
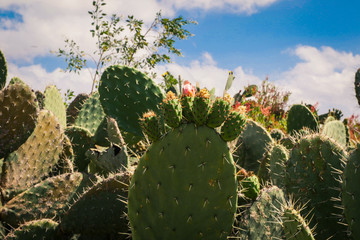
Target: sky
{"points": [[308, 47]]}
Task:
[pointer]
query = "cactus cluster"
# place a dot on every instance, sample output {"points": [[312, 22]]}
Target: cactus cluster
{"points": [[204, 171]]}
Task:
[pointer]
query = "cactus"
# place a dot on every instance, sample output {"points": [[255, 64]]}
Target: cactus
{"points": [[81, 141], [40, 98], [201, 107], [253, 143], [54, 102], [66, 159], [48, 199], [15, 80], [279, 156], [125, 94], [19, 111], [184, 187], [101, 210], [91, 114], [219, 112], [312, 176], [277, 134], [336, 130], [233, 126], [299, 117], [260, 221], [187, 100], [171, 109], [151, 126], [36, 157], [73, 109], [3, 70], [351, 192], [34, 230], [357, 85], [250, 187]]}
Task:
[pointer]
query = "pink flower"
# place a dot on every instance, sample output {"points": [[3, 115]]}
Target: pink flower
{"points": [[265, 111], [188, 89]]}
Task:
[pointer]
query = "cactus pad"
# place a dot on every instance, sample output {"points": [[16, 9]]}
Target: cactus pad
{"points": [[3, 70], [54, 102], [18, 111], [37, 229], [75, 106], [184, 187], [299, 117]]}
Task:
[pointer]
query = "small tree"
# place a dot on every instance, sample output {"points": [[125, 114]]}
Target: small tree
{"points": [[138, 48]]}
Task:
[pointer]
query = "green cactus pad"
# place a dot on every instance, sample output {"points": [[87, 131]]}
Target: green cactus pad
{"points": [[351, 192], [91, 114], [101, 210], [336, 130], [75, 106], [219, 112], [250, 187], [48, 199], [201, 109], [151, 126], [187, 107], [253, 144], [18, 111], [125, 94], [66, 160], [356, 83], [260, 221], [279, 156], [172, 112], [55, 103], [184, 187], [3, 70], [36, 157], [299, 117], [15, 80], [312, 176], [233, 126], [81, 141], [45, 229]]}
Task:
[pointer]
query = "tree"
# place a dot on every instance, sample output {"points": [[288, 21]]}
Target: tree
{"points": [[138, 48]]}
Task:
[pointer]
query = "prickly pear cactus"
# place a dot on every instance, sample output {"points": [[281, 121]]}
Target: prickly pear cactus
{"points": [[277, 134], [184, 187], [48, 199], [75, 106], [171, 109], [312, 176], [91, 114], [201, 107], [101, 210], [279, 156], [300, 116], [125, 94], [250, 187], [336, 130], [54, 102], [151, 126], [3, 70], [253, 144], [219, 112], [36, 157], [18, 111], [260, 221], [357, 85], [37, 229], [351, 192]]}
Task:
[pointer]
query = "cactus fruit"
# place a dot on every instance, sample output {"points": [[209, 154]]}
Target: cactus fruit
{"points": [[35, 230], [3, 70], [233, 126], [81, 141], [187, 100], [312, 176], [172, 110], [18, 111], [151, 126], [250, 187], [34, 160], [91, 114], [253, 144], [53, 101], [356, 83], [75, 106], [351, 192], [101, 210], [336, 130], [299, 117], [125, 94], [219, 112], [184, 187], [201, 107], [48, 198]]}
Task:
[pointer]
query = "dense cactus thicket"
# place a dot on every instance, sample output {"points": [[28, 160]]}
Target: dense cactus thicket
{"points": [[131, 162]]}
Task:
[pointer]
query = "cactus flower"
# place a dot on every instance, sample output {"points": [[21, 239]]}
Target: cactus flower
{"points": [[188, 89]]}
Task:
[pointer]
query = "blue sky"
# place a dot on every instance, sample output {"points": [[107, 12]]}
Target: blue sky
{"points": [[310, 47]]}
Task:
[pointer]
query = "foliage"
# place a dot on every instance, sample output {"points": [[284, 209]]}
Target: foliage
{"points": [[126, 43]]}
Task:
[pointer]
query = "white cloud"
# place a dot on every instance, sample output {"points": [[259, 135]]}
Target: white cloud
{"points": [[324, 75]]}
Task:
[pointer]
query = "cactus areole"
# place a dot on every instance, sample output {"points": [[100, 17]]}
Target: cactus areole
{"points": [[184, 187]]}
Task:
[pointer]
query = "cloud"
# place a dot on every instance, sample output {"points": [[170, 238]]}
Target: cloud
{"points": [[323, 75]]}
